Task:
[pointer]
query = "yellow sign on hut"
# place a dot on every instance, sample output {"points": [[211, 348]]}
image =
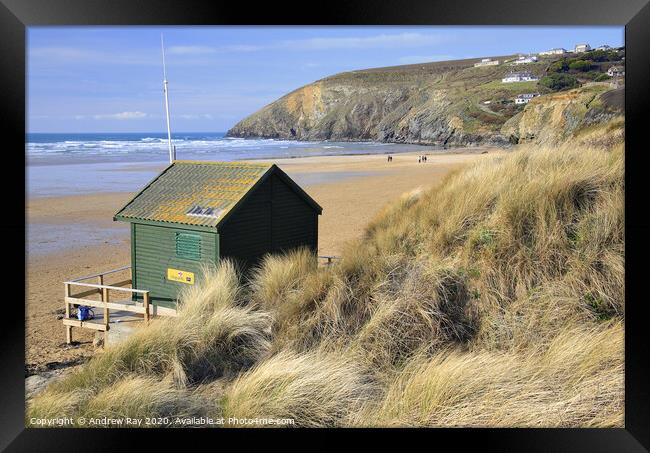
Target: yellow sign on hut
{"points": [[180, 276]]}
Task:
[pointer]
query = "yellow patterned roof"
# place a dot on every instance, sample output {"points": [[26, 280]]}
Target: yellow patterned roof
{"points": [[194, 192]]}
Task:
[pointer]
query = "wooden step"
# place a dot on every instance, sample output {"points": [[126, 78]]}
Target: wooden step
{"points": [[87, 324]]}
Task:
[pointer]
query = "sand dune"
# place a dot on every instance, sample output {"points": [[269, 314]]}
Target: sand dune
{"points": [[88, 241]]}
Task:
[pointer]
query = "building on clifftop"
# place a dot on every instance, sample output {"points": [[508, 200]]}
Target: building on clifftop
{"points": [[486, 62], [556, 51], [525, 98], [519, 77]]}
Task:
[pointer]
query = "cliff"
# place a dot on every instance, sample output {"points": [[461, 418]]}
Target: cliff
{"points": [[449, 103], [555, 118]]}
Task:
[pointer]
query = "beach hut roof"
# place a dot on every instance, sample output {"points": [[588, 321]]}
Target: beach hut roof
{"points": [[201, 193]]}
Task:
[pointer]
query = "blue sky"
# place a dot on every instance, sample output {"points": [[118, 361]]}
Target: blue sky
{"points": [[109, 79]]}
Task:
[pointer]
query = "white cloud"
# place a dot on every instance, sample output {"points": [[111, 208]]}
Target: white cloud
{"points": [[203, 50], [412, 59], [56, 55], [409, 39], [65, 53], [190, 50], [368, 42], [365, 42], [205, 116], [241, 48], [121, 116]]}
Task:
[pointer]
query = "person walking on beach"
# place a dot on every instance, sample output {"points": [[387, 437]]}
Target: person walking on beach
{"points": [[419, 159]]}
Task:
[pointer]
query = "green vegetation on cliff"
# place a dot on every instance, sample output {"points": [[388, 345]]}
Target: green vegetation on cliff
{"points": [[559, 82]]}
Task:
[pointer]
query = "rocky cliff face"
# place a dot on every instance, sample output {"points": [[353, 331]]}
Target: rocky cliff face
{"points": [[554, 118], [447, 103]]}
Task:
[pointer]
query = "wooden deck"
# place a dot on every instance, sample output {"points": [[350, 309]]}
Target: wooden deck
{"points": [[97, 296]]}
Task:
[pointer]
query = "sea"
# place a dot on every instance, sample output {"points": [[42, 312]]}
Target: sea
{"points": [[52, 149], [74, 163]]}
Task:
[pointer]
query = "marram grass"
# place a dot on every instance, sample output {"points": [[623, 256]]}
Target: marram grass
{"points": [[493, 299]]}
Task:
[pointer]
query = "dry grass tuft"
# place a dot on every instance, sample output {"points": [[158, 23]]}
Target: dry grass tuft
{"points": [[279, 276], [422, 310], [577, 381], [314, 389], [138, 397]]}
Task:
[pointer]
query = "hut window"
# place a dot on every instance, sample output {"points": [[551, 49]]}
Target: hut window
{"points": [[199, 211], [188, 246]]}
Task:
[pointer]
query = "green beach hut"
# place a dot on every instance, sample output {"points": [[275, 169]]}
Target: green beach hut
{"points": [[197, 212]]}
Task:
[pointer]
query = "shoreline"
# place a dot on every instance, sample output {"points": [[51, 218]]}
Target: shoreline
{"points": [[426, 148], [77, 178]]}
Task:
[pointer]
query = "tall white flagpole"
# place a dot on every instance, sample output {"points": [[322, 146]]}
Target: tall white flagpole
{"points": [[172, 152]]}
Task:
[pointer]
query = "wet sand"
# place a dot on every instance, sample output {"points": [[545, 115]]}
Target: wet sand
{"points": [[74, 235]]}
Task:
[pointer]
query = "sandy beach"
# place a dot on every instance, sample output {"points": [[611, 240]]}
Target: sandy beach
{"points": [[75, 235]]}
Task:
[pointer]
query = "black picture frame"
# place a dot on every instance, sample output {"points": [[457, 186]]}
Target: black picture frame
{"points": [[16, 15]]}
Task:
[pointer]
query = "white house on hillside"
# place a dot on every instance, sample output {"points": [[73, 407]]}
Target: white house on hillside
{"points": [[556, 51], [582, 48], [615, 71], [603, 47], [486, 62], [519, 77], [525, 98], [525, 59]]}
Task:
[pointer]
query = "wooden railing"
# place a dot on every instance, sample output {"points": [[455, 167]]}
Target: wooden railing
{"points": [[330, 259], [103, 290]]}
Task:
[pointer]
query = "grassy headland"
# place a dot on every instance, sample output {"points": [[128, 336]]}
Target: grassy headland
{"points": [[445, 103]]}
